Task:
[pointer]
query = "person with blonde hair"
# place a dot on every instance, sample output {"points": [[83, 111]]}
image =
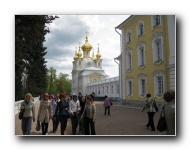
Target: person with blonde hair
{"points": [[45, 113], [29, 114], [89, 116]]}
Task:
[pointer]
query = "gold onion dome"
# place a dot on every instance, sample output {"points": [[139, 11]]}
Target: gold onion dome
{"points": [[86, 46], [75, 57], [79, 54], [98, 55]]}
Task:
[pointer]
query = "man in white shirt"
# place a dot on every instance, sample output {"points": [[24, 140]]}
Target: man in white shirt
{"points": [[74, 109]]}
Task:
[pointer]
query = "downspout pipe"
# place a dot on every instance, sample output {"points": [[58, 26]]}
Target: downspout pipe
{"points": [[120, 78]]}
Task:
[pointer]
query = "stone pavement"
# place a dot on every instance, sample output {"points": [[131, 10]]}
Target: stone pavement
{"points": [[123, 121]]}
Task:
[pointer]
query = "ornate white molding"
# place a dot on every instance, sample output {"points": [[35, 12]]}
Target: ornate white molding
{"points": [[140, 43], [158, 72], [157, 35], [142, 75]]}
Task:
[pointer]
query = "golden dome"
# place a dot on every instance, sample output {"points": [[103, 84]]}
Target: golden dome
{"points": [[98, 55], [75, 57], [79, 54], [86, 46]]}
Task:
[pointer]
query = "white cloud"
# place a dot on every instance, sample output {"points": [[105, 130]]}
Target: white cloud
{"points": [[67, 31]]}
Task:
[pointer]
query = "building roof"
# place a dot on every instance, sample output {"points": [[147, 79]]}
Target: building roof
{"points": [[120, 26]]}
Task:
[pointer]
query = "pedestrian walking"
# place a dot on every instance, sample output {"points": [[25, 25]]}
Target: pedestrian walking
{"points": [[45, 113], [107, 105], [29, 114], [55, 119], [62, 112], [82, 105], [169, 109], [74, 109], [89, 116], [150, 107]]}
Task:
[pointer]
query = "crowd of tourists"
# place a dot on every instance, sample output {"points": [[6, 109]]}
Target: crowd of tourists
{"points": [[59, 108], [82, 112]]}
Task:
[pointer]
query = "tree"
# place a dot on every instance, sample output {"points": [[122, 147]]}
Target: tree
{"points": [[30, 34]]}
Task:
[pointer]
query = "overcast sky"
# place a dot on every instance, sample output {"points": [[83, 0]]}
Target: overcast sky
{"points": [[68, 31]]}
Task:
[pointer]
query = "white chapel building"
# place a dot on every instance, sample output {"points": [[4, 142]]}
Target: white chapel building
{"points": [[87, 69]]}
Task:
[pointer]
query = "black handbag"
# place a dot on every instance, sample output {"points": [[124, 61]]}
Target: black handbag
{"points": [[161, 126], [21, 113]]}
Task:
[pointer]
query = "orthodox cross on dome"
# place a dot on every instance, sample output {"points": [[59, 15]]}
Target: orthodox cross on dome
{"points": [[86, 33]]}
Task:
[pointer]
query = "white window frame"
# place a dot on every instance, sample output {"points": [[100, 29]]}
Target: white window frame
{"points": [[117, 88], [129, 59], [129, 89], [153, 21], [138, 28], [94, 80], [157, 86], [141, 47], [142, 77], [129, 36], [157, 38]]}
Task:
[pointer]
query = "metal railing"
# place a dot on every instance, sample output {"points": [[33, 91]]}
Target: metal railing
{"points": [[18, 103]]}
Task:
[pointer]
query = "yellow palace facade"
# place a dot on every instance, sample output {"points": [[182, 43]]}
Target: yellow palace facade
{"points": [[147, 59]]}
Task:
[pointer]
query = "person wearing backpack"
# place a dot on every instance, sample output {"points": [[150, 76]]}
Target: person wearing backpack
{"points": [[62, 112]]}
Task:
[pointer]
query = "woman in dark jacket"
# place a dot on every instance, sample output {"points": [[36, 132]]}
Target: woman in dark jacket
{"points": [[169, 111], [62, 111]]}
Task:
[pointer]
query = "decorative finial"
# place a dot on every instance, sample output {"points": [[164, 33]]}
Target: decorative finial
{"points": [[86, 33]]}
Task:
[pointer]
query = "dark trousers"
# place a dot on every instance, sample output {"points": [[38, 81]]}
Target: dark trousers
{"points": [[75, 122], [107, 108], [151, 120], [44, 128], [81, 127], [89, 126], [55, 122], [26, 125], [63, 121]]}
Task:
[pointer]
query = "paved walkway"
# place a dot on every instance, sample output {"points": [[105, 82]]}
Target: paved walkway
{"points": [[123, 121]]}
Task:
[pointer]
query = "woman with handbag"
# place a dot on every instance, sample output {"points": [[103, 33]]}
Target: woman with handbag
{"points": [[89, 116], [169, 112], [28, 115], [150, 107], [45, 113]]}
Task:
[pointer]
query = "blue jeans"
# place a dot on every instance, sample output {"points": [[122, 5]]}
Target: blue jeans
{"points": [[26, 125]]}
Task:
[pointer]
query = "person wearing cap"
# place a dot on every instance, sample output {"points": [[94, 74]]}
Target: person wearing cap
{"points": [[45, 113], [89, 116], [74, 109]]}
